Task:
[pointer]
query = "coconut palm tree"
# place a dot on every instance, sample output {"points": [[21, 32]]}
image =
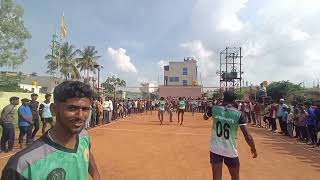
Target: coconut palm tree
{"points": [[68, 62], [65, 58], [87, 60]]}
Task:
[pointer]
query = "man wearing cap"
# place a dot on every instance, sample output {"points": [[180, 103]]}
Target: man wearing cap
{"points": [[25, 121], [7, 119]]}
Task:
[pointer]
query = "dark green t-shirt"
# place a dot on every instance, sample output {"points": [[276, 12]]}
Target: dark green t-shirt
{"points": [[46, 160]]}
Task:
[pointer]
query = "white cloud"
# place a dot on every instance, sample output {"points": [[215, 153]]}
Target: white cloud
{"points": [[121, 60], [273, 34], [230, 23], [298, 35], [162, 63], [206, 60]]}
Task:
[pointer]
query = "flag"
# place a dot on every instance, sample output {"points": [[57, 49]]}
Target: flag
{"points": [[63, 28]]}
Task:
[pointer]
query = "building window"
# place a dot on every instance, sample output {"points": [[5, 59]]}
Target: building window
{"points": [[174, 79], [185, 71], [166, 68], [185, 82]]}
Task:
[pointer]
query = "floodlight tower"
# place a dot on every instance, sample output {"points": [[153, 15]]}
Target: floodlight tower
{"points": [[230, 68]]}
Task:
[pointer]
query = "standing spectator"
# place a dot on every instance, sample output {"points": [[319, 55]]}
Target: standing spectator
{"points": [[135, 106], [272, 115], [290, 122], [130, 107], [302, 124], [253, 113], [280, 113], [99, 110], [34, 105], [284, 119], [317, 112], [114, 109], [25, 122], [296, 118], [311, 124], [93, 113], [45, 111], [153, 105], [106, 111], [7, 120], [247, 111], [257, 110]]}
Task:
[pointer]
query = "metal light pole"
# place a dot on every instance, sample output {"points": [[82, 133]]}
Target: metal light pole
{"points": [[98, 66]]}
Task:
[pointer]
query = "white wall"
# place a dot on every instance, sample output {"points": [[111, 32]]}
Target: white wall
{"points": [[29, 88]]}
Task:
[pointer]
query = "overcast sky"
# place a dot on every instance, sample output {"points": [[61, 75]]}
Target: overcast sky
{"points": [[280, 38]]}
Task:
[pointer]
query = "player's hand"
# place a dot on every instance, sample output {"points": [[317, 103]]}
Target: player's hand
{"points": [[31, 122], [254, 153]]}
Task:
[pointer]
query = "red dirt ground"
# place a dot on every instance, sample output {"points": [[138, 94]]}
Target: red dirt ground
{"points": [[138, 148]]}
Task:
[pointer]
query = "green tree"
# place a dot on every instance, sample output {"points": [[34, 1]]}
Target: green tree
{"points": [[283, 89], [87, 60], [68, 62], [11, 83], [112, 84], [53, 57], [13, 34]]}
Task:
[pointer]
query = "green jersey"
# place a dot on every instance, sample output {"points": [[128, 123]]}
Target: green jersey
{"points": [[226, 120], [161, 105], [182, 104], [45, 159]]}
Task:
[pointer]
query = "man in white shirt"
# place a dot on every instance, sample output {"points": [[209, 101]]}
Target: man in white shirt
{"points": [[106, 109], [110, 110]]}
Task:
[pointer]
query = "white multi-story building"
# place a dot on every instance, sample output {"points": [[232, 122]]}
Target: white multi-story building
{"points": [[148, 87], [181, 73]]}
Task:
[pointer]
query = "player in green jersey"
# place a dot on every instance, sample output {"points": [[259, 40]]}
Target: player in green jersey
{"points": [[63, 152], [226, 120], [181, 108], [162, 104]]}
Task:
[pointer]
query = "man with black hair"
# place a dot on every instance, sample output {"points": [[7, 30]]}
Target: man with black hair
{"points": [[63, 152], [226, 120], [45, 111], [7, 119], [34, 105], [25, 122]]}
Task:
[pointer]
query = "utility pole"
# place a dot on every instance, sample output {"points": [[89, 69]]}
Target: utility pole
{"points": [[53, 55]]}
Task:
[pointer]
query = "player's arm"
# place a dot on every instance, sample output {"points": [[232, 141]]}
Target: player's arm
{"points": [[93, 170], [247, 136]]}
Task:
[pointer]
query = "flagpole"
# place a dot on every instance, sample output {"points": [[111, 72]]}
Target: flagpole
{"points": [[63, 34]]}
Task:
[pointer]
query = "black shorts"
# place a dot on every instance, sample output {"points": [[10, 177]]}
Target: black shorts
{"points": [[218, 159], [180, 110], [47, 120]]}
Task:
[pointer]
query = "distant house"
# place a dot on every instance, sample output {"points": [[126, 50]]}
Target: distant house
{"points": [[38, 84], [8, 73], [147, 87]]}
